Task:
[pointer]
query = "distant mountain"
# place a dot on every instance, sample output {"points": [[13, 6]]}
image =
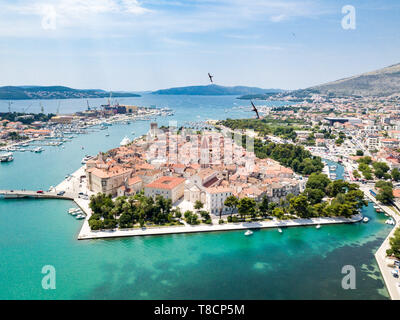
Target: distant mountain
{"points": [[215, 90], [56, 92], [382, 82]]}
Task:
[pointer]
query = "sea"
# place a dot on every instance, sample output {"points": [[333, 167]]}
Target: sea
{"points": [[299, 263]]}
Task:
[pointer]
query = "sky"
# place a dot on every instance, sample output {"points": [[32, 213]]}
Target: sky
{"points": [[136, 45]]}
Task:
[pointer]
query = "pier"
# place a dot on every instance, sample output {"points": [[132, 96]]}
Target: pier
{"points": [[17, 194]]}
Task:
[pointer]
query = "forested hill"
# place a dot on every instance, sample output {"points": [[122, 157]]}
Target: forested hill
{"points": [[215, 90], [56, 92]]}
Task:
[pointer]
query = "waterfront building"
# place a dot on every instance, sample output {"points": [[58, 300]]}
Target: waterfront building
{"points": [[107, 181], [215, 198], [166, 186]]}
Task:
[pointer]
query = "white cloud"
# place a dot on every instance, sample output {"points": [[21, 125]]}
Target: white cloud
{"points": [[111, 18], [278, 18]]}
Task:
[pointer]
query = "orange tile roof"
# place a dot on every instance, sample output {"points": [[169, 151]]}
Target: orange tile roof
{"points": [[166, 182], [396, 193]]}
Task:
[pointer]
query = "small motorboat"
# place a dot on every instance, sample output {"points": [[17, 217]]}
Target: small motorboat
{"points": [[280, 230], [80, 217], [390, 221], [248, 233], [365, 219], [74, 211], [107, 135], [318, 226]]}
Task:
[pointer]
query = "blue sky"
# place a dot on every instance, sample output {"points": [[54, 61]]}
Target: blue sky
{"points": [[152, 44]]}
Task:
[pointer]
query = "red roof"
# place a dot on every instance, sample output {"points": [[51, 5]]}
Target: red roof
{"points": [[166, 183]]}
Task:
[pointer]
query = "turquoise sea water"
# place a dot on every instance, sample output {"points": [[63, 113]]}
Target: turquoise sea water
{"points": [[301, 263]]}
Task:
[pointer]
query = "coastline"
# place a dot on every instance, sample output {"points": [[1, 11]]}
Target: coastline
{"points": [[86, 234], [380, 254]]}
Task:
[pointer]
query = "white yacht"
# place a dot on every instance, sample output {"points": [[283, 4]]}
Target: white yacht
{"points": [[280, 230], [6, 157], [85, 159], [390, 221], [318, 226], [80, 217], [38, 150], [72, 210], [248, 233], [125, 141], [365, 219]]}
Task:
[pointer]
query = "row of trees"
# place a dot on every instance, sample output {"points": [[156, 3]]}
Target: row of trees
{"points": [[125, 212], [379, 170], [345, 199], [394, 241]]}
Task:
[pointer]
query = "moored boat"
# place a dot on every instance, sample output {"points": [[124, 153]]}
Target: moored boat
{"points": [[6, 157], [248, 233]]}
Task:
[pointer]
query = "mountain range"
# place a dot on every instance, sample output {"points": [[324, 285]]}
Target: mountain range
{"points": [[216, 90], [56, 92]]}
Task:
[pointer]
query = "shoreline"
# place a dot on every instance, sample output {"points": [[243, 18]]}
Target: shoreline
{"points": [[380, 254], [85, 234]]}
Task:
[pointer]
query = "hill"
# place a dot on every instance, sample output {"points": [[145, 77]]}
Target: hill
{"points": [[215, 90], [382, 82], [56, 92]]}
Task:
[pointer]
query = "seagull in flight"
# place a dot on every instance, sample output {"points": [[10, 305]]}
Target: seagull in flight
{"points": [[255, 109], [210, 76]]}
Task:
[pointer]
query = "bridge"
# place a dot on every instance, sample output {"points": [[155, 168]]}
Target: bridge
{"points": [[16, 194]]}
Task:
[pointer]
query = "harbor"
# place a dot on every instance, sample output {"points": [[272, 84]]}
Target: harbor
{"points": [[258, 255]]}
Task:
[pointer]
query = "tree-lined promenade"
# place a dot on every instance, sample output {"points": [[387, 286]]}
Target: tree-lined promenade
{"points": [[321, 198]]}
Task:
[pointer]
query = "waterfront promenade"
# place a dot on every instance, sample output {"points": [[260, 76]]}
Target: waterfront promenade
{"points": [[380, 255], [87, 233]]}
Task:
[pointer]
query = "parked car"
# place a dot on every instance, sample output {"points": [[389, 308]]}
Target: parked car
{"points": [[61, 193], [39, 191]]}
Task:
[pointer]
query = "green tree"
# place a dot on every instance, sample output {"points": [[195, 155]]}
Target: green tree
{"points": [[247, 206], [300, 205], [198, 205], [394, 241], [231, 202], [318, 181], [314, 195], [395, 174], [359, 153], [385, 195], [263, 207]]}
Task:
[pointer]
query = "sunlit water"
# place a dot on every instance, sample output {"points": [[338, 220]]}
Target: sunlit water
{"points": [[301, 263]]}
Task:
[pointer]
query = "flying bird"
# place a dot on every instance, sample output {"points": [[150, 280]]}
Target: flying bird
{"points": [[210, 76], [255, 109]]}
